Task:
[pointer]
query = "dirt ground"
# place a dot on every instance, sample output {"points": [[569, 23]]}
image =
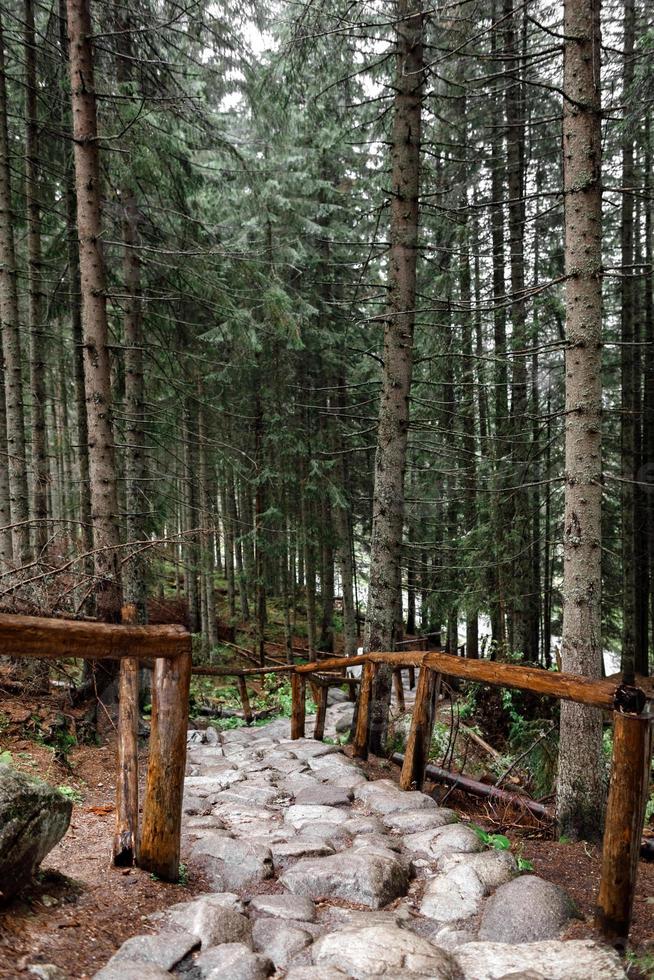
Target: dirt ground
{"points": [[82, 908]]}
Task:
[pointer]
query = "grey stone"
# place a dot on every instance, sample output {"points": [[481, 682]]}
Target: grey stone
{"points": [[453, 896], [204, 822], [131, 971], [279, 941], [33, 818], [363, 825], [238, 816], [441, 841], [383, 797], [315, 973], [348, 780], [415, 821], [300, 817], [209, 785], [336, 696], [211, 736], [580, 959], [383, 950], [249, 794], [234, 863], [452, 936], [196, 806], [373, 879], [344, 723], [494, 868], [214, 919], [233, 961], [298, 847], [324, 795], [308, 748], [526, 910], [47, 971], [373, 842], [285, 907], [165, 949]]}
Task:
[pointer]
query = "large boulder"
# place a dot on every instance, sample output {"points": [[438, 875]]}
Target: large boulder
{"points": [[526, 910], [383, 950], [33, 818], [580, 959], [370, 878]]}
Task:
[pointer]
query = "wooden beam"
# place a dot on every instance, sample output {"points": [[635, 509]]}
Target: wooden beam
{"points": [[239, 671], [321, 713], [298, 706], [162, 811], [127, 782], [245, 700], [360, 742], [416, 754], [399, 688], [569, 687], [55, 639], [630, 773]]}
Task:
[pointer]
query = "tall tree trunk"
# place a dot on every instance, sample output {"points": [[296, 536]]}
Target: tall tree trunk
{"points": [[6, 552], [75, 305], [207, 517], [390, 460], [11, 343], [35, 290], [581, 789], [627, 357], [521, 599], [135, 459], [648, 387], [497, 574]]}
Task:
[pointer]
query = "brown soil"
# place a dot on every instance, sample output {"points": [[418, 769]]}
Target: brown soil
{"points": [[81, 909]]}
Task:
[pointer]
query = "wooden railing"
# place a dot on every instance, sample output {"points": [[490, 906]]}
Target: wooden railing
{"points": [[630, 766], [157, 848]]}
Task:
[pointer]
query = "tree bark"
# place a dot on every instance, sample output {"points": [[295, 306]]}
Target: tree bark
{"points": [[97, 373], [35, 291], [392, 433], [581, 782], [11, 343]]}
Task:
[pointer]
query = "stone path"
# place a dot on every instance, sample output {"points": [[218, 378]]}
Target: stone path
{"points": [[318, 873]]}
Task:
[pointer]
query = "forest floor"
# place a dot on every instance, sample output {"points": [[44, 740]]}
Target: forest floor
{"points": [[81, 909]]}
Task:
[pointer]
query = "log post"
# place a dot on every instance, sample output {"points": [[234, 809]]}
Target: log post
{"points": [[321, 705], [127, 780], [630, 771], [162, 812], [298, 707], [245, 699], [360, 742], [412, 678], [422, 721], [399, 688]]}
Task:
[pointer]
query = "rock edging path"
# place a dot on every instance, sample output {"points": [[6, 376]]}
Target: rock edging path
{"points": [[318, 873]]}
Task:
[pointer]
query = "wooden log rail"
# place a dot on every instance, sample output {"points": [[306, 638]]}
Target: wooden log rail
{"points": [[633, 737], [157, 848]]}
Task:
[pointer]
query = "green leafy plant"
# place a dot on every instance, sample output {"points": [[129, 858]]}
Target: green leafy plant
{"points": [[498, 841], [524, 864], [6, 758], [183, 875], [70, 793]]}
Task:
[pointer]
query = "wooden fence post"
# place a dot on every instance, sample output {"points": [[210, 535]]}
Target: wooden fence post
{"points": [[245, 700], [162, 817], [360, 742], [298, 706], [321, 705], [422, 722], [630, 771], [399, 688], [127, 782]]}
